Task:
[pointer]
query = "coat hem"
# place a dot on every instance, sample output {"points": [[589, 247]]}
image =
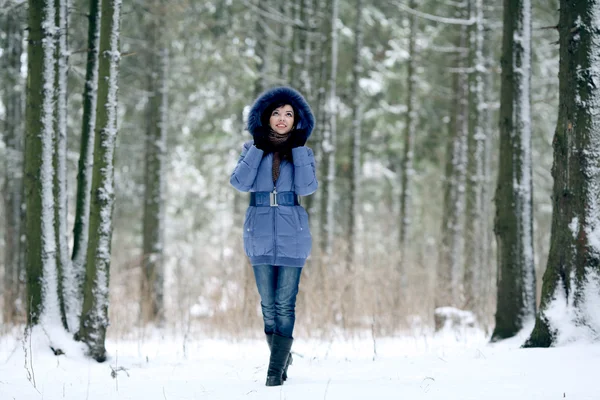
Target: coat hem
{"points": [[281, 261]]}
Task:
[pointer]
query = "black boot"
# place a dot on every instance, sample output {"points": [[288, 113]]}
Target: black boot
{"points": [[289, 360], [280, 351]]}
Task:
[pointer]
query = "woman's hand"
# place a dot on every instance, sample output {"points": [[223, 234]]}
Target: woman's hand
{"points": [[298, 138], [261, 139]]}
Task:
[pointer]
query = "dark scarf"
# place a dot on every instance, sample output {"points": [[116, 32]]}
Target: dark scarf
{"points": [[279, 150]]}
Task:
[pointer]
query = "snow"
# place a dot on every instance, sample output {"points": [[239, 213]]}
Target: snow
{"points": [[413, 367], [565, 317]]}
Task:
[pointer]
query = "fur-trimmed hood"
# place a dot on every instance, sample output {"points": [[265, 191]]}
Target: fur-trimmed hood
{"points": [[305, 121]]}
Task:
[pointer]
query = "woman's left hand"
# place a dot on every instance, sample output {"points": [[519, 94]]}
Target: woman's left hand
{"points": [[298, 138]]}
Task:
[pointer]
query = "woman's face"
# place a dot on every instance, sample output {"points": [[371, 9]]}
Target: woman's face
{"points": [[282, 119]]}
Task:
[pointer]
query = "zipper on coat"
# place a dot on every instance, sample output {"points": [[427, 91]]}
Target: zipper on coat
{"points": [[275, 228], [274, 219]]}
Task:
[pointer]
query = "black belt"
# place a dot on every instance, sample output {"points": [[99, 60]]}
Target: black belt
{"points": [[274, 199]]}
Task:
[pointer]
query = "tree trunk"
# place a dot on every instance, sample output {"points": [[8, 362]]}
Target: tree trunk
{"points": [[329, 143], [318, 69], [86, 163], [261, 51], [63, 260], [406, 171], [40, 254], [152, 299], [570, 294], [94, 315], [514, 221], [13, 164], [475, 257], [450, 266], [354, 170]]}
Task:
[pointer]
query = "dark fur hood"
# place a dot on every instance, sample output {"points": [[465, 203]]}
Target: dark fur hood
{"points": [[305, 121]]}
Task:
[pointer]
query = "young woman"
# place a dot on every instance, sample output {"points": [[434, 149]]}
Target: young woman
{"points": [[276, 168]]}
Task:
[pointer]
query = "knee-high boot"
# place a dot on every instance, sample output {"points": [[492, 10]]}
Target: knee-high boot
{"points": [[289, 361], [280, 350]]}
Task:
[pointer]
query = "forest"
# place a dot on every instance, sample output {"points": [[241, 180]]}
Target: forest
{"points": [[457, 146]]}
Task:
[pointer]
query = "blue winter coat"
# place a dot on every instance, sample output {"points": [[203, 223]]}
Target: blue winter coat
{"points": [[277, 235]]}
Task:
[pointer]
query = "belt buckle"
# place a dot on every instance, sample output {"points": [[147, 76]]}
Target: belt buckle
{"points": [[273, 198]]}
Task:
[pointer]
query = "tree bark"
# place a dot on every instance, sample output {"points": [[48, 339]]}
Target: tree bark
{"points": [[86, 162], [40, 254], [94, 315], [514, 221], [572, 277]]}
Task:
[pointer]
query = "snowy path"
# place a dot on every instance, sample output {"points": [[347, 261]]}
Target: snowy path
{"points": [[405, 368]]}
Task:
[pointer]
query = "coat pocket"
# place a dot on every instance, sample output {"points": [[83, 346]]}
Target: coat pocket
{"points": [[304, 239], [249, 224]]}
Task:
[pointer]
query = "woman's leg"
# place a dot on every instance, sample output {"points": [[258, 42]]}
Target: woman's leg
{"points": [[288, 279], [266, 282]]}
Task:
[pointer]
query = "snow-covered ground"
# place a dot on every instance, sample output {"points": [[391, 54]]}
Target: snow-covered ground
{"points": [[441, 366]]}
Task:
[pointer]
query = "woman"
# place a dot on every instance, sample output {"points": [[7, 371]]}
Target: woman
{"points": [[276, 168]]}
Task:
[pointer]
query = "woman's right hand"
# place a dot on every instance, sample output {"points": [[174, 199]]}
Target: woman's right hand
{"points": [[261, 139]]}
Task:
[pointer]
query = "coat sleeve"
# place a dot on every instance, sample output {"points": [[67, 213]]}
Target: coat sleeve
{"points": [[244, 173], [305, 176]]}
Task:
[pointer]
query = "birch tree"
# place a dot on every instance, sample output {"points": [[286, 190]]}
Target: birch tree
{"points": [[571, 283], [40, 253], [152, 304], [94, 315], [84, 172], [513, 225], [13, 101]]}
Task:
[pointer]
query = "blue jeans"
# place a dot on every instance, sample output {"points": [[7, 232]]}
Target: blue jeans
{"points": [[278, 287]]}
